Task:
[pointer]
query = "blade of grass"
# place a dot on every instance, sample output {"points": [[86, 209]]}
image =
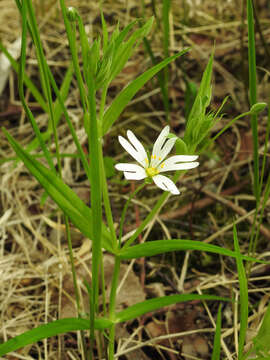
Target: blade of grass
{"points": [[63, 109], [156, 247], [166, 43], [94, 144], [30, 85], [43, 70], [243, 286], [51, 329], [79, 214], [71, 35], [21, 90], [144, 307], [123, 98], [160, 78], [57, 108], [217, 338], [253, 95]]}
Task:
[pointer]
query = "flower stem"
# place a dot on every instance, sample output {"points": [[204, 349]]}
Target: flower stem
{"points": [[112, 305]]}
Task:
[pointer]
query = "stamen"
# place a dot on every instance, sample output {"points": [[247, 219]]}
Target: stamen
{"points": [[152, 171]]}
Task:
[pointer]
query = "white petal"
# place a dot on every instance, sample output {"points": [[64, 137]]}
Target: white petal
{"points": [[136, 143], [164, 152], [135, 148], [160, 141], [166, 184], [132, 171], [175, 163]]}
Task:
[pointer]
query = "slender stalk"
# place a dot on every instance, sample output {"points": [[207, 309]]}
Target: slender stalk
{"points": [[71, 128], [21, 89], [166, 42], [44, 72], [112, 306], [106, 199], [72, 45], [147, 220], [253, 97]]}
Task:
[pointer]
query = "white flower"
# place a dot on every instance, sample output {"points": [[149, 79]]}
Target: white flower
{"points": [[152, 168]]}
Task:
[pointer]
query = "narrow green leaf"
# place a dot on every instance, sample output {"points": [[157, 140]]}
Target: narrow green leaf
{"points": [[50, 329], [154, 304], [199, 122], [243, 295], [253, 98], [79, 214], [123, 98], [262, 340], [190, 96], [30, 85], [157, 247], [125, 49], [217, 339]]}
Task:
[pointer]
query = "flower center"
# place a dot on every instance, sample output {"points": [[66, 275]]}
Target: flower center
{"points": [[152, 171]]}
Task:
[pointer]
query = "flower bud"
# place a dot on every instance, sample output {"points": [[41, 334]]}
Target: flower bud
{"points": [[257, 108], [72, 13]]}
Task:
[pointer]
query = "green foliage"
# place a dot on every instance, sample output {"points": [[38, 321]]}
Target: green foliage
{"points": [[51, 329], [217, 339], [243, 296], [79, 214], [258, 107], [102, 60], [190, 96], [109, 166], [156, 247], [146, 306], [123, 98], [262, 339], [199, 121]]}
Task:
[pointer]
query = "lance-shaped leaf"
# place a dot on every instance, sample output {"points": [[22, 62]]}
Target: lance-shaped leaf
{"points": [[144, 307], [51, 329], [157, 247], [123, 98], [78, 213]]}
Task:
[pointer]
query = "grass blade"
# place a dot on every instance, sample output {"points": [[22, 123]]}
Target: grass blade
{"points": [[50, 329], [30, 85], [253, 95], [121, 101], [217, 339], [157, 247], [79, 214], [243, 296], [154, 304]]}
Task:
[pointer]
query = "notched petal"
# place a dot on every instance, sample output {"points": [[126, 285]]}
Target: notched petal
{"points": [[166, 184], [131, 171]]}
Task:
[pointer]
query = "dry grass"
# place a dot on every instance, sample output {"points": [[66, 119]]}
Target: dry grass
{"points": [[34, 267]]}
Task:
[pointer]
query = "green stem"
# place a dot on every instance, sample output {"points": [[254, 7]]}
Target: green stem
{"points": [[112, 305], [147, 220], [111, 343], [253, 97], [106, 199], [71, 34], [74, 278], [107, 205]]}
